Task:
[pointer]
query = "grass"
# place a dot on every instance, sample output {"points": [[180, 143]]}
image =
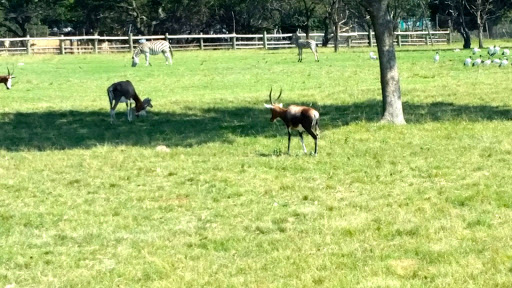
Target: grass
{"points": [[87, 204]]}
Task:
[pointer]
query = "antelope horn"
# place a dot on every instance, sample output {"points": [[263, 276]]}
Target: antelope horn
{"points": [[270, 96], [280, 92], [13, 67], [8, 71]]}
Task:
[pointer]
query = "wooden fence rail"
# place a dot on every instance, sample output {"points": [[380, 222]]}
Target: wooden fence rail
{"points": [[114, 44]]}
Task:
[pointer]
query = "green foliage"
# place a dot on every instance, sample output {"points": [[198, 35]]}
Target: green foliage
{"points": [[87, 203]]}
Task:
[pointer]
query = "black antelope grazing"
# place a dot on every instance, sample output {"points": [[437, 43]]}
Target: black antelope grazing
{"points": [[153, 48], [298, 118], [7, 79], [124, 92], [301, 44]]}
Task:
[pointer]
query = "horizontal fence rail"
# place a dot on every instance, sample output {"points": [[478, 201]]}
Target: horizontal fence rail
{"points": [[115, 44]]}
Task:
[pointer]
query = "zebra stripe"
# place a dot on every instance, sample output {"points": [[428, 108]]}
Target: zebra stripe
{"points": [[301, 44], [153, 48]]}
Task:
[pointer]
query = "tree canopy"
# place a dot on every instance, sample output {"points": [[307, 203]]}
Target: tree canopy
{"points": [[145, 17]]}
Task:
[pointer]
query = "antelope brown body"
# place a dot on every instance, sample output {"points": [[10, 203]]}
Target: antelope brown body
{"points": [[300, 118]]}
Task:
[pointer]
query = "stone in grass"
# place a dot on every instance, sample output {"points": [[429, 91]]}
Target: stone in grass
{"points": [[162, 148]]}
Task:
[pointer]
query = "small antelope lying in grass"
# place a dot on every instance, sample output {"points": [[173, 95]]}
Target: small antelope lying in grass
{"points": [[298, 118], [124, 92], [7, 79]]}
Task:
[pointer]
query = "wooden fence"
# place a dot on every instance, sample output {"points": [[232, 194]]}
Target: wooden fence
{"points": [[98, 44]]}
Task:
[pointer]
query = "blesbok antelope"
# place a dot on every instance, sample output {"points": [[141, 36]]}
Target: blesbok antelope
{"points": [[300, 118], [301, 44], [124, 92], [7, 79]]}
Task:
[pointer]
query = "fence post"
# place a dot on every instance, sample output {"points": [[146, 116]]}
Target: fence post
{"points": [[370, 37], [449, 37], [61, 41], [201, 44], [234, 41], [265, 45], [130, 42], [349, 41], [426, 40], [28, 46], [399, 39], [96, 43], [167, 37]]}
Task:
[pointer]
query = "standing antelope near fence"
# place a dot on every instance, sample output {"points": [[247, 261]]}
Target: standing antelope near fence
{"points": [[124, 92], [301, 44], [7, 79], [300, 118], [153, 48]]}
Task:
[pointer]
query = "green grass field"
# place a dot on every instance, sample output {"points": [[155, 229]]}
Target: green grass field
{"points": [[84, 203]]}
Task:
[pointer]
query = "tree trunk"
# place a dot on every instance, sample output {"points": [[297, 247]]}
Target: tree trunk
{"points": [[480, 29], [336, 37], [464, 32], [389, 78], [465, 36], [480, 36], [326, 38]]}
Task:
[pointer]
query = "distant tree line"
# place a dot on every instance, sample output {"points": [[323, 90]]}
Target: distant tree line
{"points": [[146, 17]]}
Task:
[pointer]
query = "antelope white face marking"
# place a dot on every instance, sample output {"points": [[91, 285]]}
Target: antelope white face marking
{"points": [[8, 84]]}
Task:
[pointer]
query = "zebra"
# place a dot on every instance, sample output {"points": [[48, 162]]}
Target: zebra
{"points": [[153, 48], [301, 44]]}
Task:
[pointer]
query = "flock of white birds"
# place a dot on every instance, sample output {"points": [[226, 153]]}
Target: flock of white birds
{"points": [[492, 52]]}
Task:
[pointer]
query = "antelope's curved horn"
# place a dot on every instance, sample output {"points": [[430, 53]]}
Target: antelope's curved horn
{"points": [[280, 92], [270, 96], [8, 71]]}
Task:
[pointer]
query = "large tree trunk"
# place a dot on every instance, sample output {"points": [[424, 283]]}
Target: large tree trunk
{"points": [[462, 29], [389, 78]]}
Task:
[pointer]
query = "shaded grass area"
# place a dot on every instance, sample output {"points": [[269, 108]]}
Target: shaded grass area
{"points": [[78, 129]]}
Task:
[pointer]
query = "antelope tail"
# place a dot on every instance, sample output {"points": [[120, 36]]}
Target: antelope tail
{"points": [[170, 49]]}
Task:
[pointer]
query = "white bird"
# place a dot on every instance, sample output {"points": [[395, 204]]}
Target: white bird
{"points": [[496, 50], [478, 61], [496, 61], [468, 61], [504, 62], [476, 50], [491, 51], [506, 52], [373, 56], [487, 62], [436, 57]]}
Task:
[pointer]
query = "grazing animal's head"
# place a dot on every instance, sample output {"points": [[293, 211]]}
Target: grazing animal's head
{"points": [[7, 79], [135, 61], [141, 110], [274, 107]]}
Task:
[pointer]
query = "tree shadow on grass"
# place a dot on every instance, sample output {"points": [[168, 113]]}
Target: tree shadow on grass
{"points": [[57, 130]]}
